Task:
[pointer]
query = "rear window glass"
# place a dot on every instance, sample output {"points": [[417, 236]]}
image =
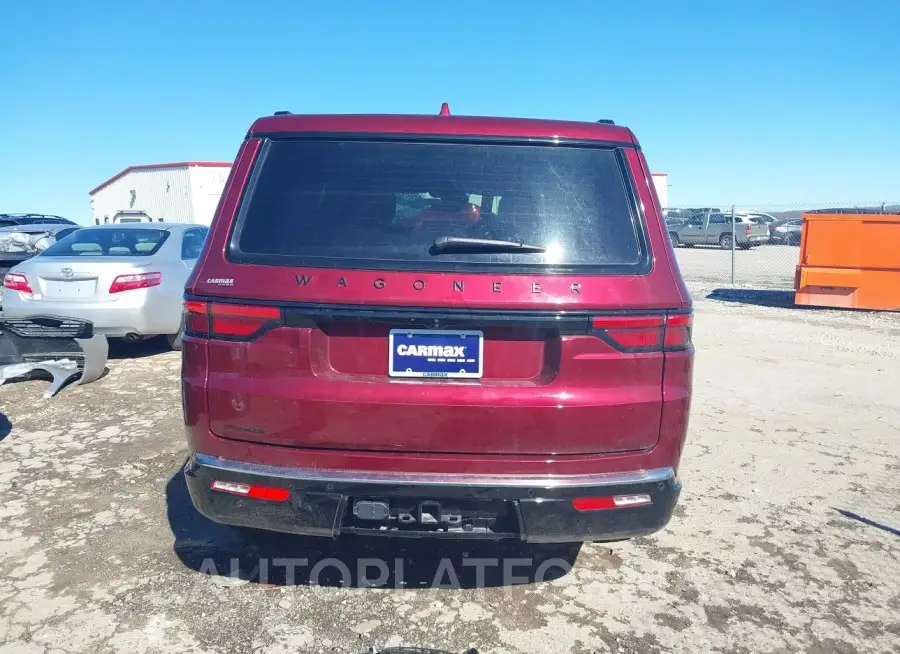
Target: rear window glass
{"points": [[108, 243], [361, 204]]}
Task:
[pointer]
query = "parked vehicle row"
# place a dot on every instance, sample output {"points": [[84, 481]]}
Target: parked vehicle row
{"points": [[128, 279], [711, 226]]}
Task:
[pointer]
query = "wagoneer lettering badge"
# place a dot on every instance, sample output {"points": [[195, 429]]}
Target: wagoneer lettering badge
{"points": [[379, 283]]}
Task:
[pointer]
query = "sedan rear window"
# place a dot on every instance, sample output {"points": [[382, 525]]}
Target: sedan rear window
{"points": [[108, 243], [386, 204]]}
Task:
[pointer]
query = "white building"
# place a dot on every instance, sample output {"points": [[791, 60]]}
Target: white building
{"points": [[661, 182], [185, 192]]}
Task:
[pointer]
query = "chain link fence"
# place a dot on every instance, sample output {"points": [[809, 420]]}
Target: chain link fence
{"points": [[748, 246]]}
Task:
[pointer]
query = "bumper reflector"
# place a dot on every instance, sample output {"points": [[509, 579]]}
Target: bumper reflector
{"points": [[247, 490], [610, 502]]}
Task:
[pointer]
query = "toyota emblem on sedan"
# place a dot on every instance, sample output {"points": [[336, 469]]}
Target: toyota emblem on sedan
{"points": [[67, 272]]}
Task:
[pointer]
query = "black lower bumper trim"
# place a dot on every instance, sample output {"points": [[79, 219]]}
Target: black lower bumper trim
{"points": [[538, 512], [39, 338]]}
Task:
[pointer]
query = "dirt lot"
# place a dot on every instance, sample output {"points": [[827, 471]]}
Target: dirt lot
{"points": [[787, 537], [766, 266]]}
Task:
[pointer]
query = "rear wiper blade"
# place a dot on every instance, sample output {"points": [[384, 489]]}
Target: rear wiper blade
{"points": [[461, 244]]}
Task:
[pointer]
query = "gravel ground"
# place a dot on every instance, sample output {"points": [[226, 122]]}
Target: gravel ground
{"points": [[766, 266], [787, 537]]}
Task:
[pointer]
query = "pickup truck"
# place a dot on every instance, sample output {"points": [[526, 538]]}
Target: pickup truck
{"points": [[714, 228]]}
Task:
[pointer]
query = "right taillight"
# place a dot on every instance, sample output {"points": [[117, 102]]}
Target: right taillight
{"points": [[611, 502], [678, 331], [134, 282], [228, 321], [631, 333], [652, 333]]}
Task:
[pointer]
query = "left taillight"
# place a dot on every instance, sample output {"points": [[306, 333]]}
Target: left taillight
{"points": [[271, 493], [196, 318], [653, 333], [228, 321], [17, 282], [133, 282]]}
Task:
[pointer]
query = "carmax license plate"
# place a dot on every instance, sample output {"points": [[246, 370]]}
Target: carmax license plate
{"points": [[435, 353]]}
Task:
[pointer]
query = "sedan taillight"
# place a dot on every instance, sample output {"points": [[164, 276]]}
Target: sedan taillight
{"points": [[17, 282], [133, 282]]}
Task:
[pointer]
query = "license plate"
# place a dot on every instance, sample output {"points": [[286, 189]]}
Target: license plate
{"points": [[435, 353], [70, 290]]}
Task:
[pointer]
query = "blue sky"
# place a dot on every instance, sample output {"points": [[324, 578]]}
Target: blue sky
{"points": [[751, 103]]}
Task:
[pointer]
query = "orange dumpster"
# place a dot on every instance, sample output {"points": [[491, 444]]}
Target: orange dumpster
{"points": [[849, 260]]}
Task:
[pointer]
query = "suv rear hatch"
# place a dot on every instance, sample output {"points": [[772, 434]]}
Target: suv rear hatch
{"points": [[375, 294]]}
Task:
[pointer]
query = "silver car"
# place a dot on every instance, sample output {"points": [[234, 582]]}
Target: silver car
{"points": [[126, 279]]}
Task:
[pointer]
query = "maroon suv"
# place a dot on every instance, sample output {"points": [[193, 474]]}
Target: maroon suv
{"points": [[437, 325]]}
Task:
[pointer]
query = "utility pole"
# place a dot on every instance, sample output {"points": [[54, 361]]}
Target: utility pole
{"points": [[732, 245]]}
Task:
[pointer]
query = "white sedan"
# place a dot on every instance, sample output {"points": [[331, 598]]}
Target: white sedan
{"points": [[128, 280]]}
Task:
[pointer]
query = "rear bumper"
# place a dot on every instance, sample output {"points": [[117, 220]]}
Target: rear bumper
{"points": [[532, 508], [140, 314]]}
